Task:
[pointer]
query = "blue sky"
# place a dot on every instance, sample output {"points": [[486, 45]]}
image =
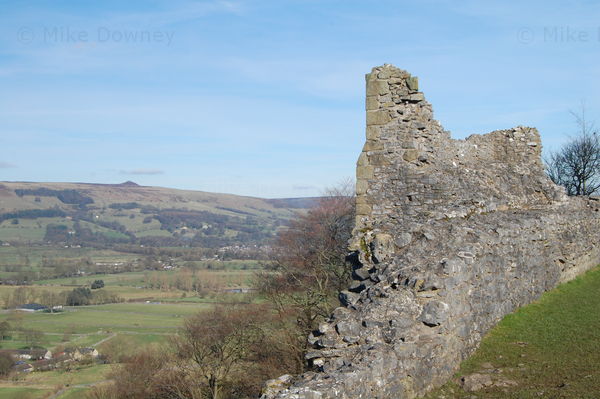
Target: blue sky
{"points": [[266, 98]]}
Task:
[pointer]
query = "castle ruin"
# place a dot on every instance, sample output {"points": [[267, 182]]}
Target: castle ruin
{"points": [[451, 236]]}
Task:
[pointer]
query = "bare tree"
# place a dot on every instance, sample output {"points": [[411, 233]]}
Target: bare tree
{"points": [[33, 338], [310, 270], [576, 166], [135, 379], [212, 346]]}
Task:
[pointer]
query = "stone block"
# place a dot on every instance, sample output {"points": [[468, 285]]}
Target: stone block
{"points": [[364, 172], [363, 209], [410, 155], [377, 87], [361, 199], [361, 186], [417, 97], [372, 145], [476, 382], [413, 83], [361, 273], [403, 239], [373, 133], [380, 117], [359, 286], [434, 313], [348, 298], [363, 160], [384, 74], [348, 327], [372, 103], [378, 160]]}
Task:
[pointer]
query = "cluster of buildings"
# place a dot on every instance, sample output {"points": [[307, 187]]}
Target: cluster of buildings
{"points": [[27, 360]]}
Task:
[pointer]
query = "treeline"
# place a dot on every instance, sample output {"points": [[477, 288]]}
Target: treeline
{"points": [[186, 254], [76, 297], [124, 205], [59, 233], [59, 267], [72, 197], [32, 214], [186, 279]]}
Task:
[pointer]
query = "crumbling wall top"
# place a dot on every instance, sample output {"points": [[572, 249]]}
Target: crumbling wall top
{"points": [[410, 166]]}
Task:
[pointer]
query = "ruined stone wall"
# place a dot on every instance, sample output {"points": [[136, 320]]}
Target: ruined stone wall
{"points": [[451, 236]]}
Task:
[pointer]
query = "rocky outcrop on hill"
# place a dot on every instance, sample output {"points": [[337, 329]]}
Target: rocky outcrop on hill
{"points": [[451, 235]]}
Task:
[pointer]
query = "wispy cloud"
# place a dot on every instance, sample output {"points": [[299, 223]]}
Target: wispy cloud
{"points": [[177, 12], [147, 172], [6, 165], [303, 188]]}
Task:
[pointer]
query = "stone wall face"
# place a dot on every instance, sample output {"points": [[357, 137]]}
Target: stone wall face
{"points": [[451, 236]]}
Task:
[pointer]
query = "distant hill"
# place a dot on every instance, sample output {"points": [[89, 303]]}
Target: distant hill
{"points": [[105, 214]]}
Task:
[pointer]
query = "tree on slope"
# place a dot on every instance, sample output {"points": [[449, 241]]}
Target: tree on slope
{"points": [[310, 270]]}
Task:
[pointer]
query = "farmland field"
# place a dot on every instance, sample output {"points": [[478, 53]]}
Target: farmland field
{"points": [[146, 316], [68, 384], [133, 317]]}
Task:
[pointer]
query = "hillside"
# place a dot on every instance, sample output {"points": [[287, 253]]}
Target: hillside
{"points": [[107, 214]]}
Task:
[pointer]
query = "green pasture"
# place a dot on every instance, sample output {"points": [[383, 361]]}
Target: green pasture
{"points": [[134, 317]]}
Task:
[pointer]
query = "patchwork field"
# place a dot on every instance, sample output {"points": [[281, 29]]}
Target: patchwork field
{"points": [[147, 316], [99, 319]]}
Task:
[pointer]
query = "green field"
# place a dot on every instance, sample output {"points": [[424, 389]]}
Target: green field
{"points": [[135, 325], [227, 271], [548, 349], [69, 384], [19, 392], [134, 317]]}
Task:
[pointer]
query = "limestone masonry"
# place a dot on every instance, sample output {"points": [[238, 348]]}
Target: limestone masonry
{"points": [[451, 235]]}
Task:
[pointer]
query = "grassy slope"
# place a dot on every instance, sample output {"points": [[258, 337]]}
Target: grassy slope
{"points": [[550, 348]]}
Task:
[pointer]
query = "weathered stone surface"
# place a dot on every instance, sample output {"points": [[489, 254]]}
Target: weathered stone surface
{"points": [[348, 298], [361, 273], [412, 83], [434, 313], [403, 239], [475, 382], [372, 103], [359, 286], [277, 384], [410, 155], [455, 237], [378, 117]]}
